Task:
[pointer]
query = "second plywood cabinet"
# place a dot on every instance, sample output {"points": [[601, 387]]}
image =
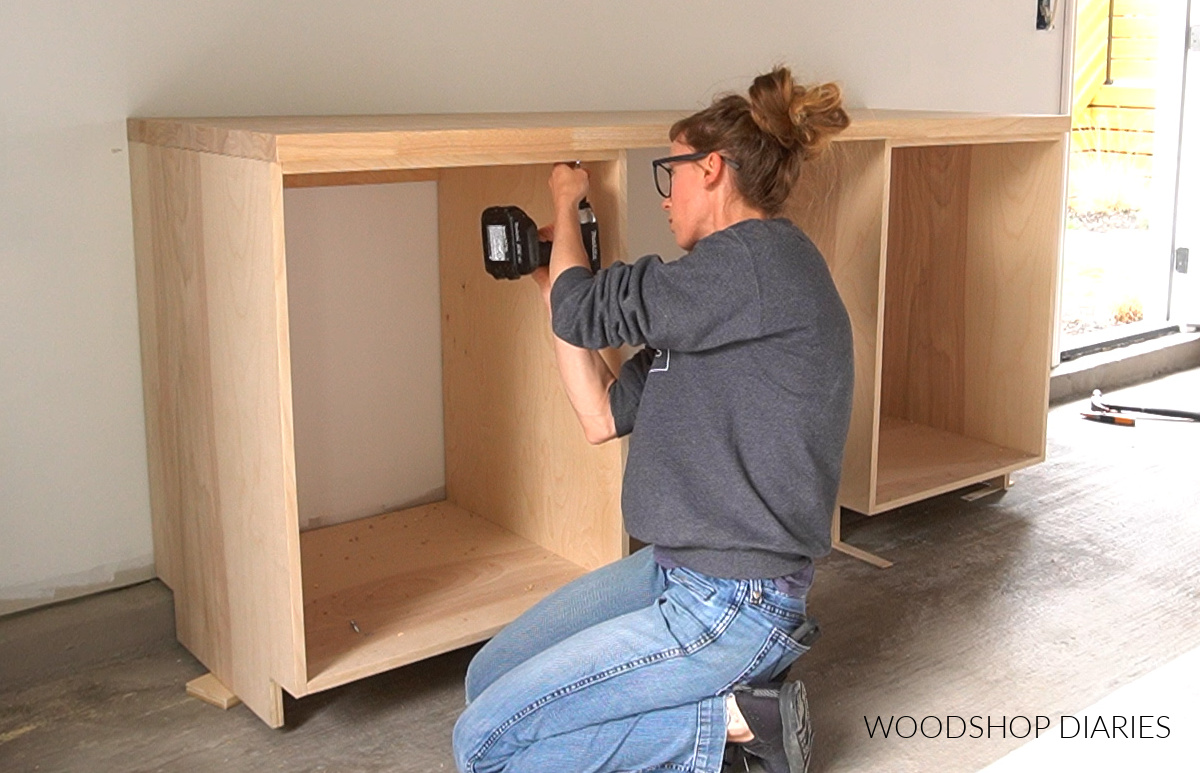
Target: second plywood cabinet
{"points": [[945, 250], [941, 231]]}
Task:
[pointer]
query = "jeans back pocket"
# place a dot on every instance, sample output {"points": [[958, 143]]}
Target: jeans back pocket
{"points": [[693, 581]]}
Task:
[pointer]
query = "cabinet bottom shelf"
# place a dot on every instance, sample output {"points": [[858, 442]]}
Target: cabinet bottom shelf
{"points": [[917, 462], [390, 590]]}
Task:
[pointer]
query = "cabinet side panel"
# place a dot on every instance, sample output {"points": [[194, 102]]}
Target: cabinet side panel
{"points": [[176, 366], [840, 203], [252, 437], [515, 453], [1016, 211], [210, 268], [924, 315], [157, 322]]}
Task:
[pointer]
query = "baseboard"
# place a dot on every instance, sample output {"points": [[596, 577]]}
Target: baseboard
{"points": [[1124, 367], [59, 589], [43, 643]]}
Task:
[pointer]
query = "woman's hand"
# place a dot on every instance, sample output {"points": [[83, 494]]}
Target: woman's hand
{"points": [[568, 185]]}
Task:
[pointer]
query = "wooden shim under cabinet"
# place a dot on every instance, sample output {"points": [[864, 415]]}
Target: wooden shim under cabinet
{"points": [[209, 689], [390, 590]]}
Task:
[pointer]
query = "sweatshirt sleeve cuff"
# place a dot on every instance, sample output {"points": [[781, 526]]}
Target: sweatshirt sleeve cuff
{"points": [[563, 304], [623, 407]]}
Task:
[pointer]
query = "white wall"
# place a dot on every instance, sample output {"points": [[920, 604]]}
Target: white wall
{"points": [[74, 512], [363, 296]]}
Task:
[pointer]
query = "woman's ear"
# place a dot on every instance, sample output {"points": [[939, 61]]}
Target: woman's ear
{"points": [[712, 165]]}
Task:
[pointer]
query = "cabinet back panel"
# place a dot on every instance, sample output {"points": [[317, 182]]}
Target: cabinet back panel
{"points": [[924, 329]]}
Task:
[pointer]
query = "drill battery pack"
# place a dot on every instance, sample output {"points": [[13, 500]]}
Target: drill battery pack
{"points": [[511, 248]]}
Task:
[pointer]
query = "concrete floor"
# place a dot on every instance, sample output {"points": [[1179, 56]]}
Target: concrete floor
{"points": [[1169, 697], [1042, 600]]}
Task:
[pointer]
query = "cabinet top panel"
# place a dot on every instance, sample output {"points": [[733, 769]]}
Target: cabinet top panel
{"points": [[361, 143]]}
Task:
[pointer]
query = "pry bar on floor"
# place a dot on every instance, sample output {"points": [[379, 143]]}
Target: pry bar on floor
{"points": [[1102, 407]]}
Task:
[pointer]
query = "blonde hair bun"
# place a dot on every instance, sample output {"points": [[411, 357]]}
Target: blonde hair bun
{"points": [[769, 135], [797, 117]]}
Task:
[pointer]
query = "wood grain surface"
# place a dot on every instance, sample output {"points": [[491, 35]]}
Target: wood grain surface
{"points": [[917, 462], [358, 143], [841, 203], [385, 591], [515, 452], [1013, 243], [213, 316], [925, 307]]}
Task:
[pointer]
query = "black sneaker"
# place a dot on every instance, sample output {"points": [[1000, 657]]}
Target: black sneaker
{"points": [[778, 718], [735, 759]]}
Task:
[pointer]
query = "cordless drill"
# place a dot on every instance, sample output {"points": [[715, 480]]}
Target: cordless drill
{"points": [[511, 248]]}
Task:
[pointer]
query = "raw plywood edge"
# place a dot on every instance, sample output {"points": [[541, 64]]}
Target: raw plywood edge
{"points": [[356, 143], [412, 142], [349, 152], [535, 138], [923, 127], [972, 139], [372, 177], [182, 134], [418, 123]]}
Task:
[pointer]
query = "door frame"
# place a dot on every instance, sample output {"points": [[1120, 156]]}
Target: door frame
{"points": [[1167, 235]]}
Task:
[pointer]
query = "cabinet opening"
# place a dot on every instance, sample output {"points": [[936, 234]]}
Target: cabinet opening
{"points": [[440, 487], [971, 262]]}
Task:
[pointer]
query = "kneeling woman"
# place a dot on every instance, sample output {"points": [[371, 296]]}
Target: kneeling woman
{"points": [[738, 406]]}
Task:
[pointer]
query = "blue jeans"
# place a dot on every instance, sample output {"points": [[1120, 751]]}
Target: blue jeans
{"points": [[625, 669]]}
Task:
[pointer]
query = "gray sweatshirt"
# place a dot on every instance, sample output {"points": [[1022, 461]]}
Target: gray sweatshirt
{"points": [[738, 404]]}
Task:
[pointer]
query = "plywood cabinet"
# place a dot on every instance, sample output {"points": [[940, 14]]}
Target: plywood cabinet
{"points": [[941, 230], [944, 245]]}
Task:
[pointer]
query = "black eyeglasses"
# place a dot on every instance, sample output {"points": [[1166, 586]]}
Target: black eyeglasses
{"points": [[663, 171]]}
